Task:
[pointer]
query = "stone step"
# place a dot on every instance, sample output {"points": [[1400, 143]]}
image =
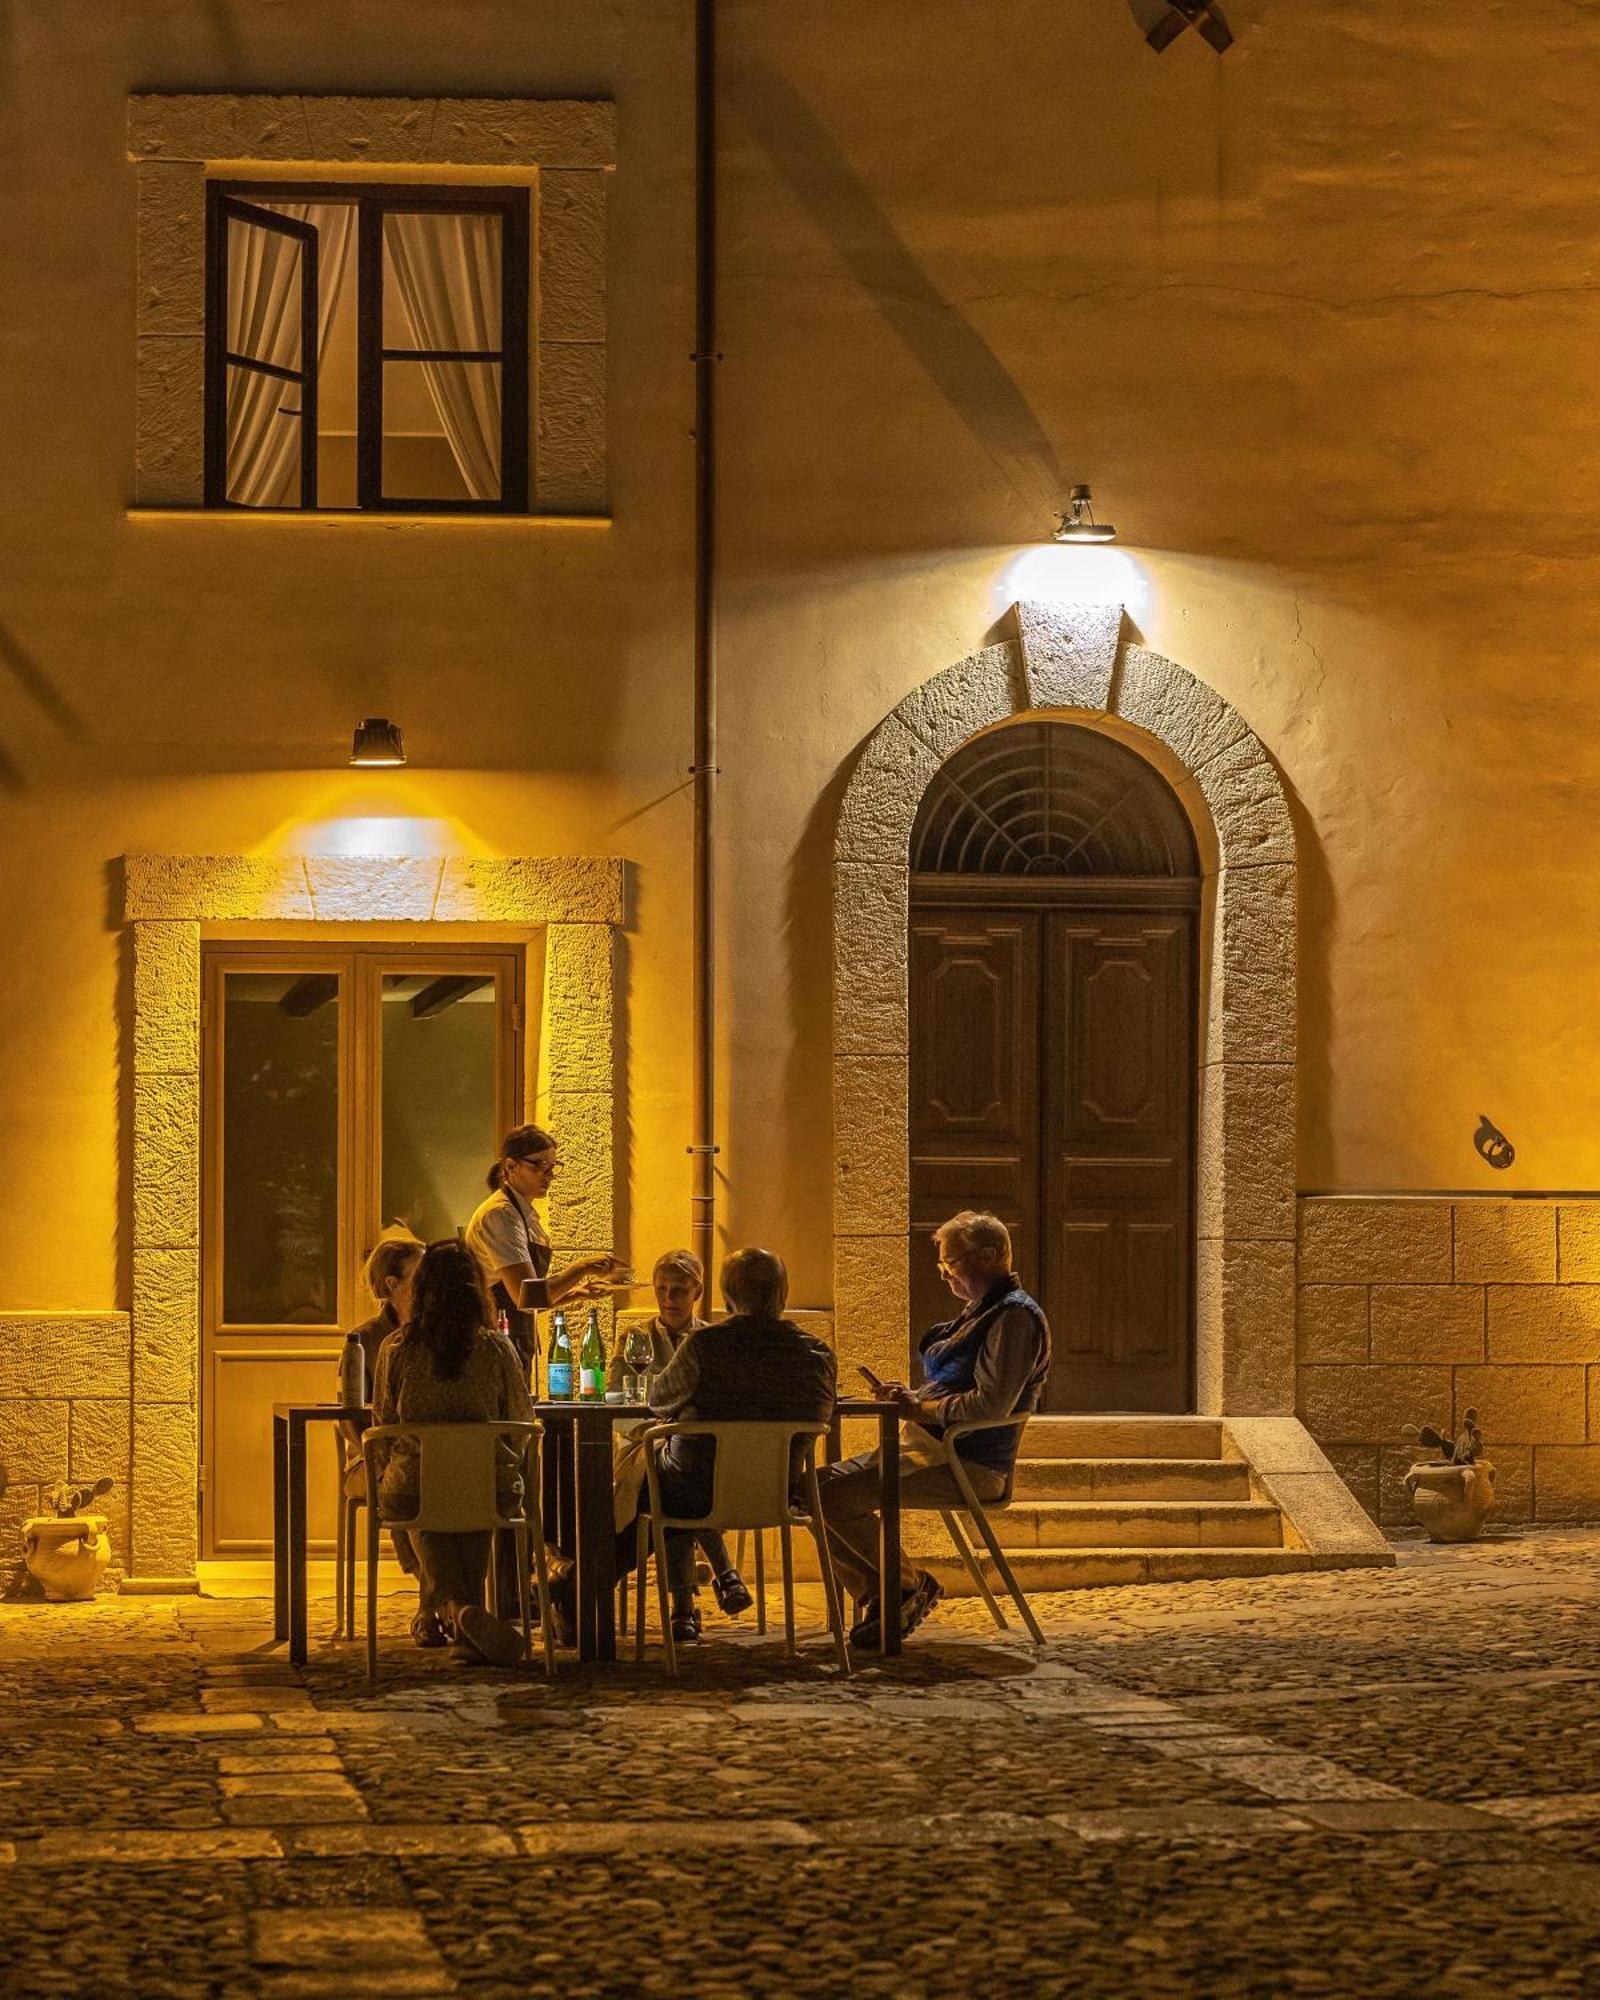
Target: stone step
{"points": [[1093, 1569], [1122, 1437], [1132, 1479], [1139, 1524]]}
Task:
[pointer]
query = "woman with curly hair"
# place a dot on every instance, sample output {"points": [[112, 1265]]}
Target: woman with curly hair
{"points": [[447, 1365]]}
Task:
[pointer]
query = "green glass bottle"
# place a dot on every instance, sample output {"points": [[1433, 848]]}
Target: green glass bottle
{"points": [[558, 1361], [592, 1361]]}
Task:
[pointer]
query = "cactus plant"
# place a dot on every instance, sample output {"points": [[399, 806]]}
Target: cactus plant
{"points": [[1462, 1450], [65, 1500]]}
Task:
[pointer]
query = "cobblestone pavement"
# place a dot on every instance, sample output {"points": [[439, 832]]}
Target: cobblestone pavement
{"points": [[1361, 1784]]}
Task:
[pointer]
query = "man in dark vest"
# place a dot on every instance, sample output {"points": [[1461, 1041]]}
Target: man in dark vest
{"points": [[753, 1366], [991, 1360]]}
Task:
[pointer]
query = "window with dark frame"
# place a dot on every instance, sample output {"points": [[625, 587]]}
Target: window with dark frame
{"points": [[367, 347]]}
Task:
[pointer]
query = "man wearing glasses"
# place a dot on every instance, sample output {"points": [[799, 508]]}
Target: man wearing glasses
{"points": [[990, 1361]]}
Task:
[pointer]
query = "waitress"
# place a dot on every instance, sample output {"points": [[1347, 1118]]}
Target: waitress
{"points": [[510, 1243]]}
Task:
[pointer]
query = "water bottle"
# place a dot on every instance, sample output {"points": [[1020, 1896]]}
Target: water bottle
{"points": [[558, 1362], [353, 1374], [592, 1361]]}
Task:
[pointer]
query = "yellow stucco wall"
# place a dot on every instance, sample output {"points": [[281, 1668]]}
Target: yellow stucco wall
{"points": [[1315, 319]]}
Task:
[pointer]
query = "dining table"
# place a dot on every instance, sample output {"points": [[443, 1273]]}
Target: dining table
{"points": [[290, 1422], [579, 1458]]}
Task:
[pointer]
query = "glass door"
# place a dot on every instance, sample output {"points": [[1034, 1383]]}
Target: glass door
{"points": [[348, 1089]]}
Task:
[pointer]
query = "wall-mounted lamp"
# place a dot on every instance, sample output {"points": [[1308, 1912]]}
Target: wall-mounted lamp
{"points": [[378, 742], [1078, 523]]}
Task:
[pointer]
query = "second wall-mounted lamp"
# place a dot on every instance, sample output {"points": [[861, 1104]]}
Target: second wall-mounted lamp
{"points": [[1078, 523], [378, 744]]}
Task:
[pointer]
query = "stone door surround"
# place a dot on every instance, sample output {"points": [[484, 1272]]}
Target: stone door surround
{"points": [[175, 141], [1067, 659], [575, 903]]}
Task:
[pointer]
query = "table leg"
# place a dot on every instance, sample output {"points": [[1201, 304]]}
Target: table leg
{"points": [[280, 1527], [597, 1572], [889, 1529], [298, 1647], [833, 1443]]}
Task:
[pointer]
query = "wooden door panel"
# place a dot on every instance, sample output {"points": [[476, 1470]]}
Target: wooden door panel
{"points": [[1083, 1259], [247, 1376], [1117, 1155], [974, 1124], [1152, 1328]]}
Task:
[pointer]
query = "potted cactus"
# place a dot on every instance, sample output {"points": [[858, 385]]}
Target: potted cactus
{"points": [[1451, 1494], [67, 1552]]}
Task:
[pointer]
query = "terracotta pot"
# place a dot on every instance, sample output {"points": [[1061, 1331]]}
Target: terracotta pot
{"points": [[1451, 1500], [69, 1556]]}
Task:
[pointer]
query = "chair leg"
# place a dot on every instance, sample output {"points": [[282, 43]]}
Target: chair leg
{"points": [[622, 1609], [761, 1582], [641, 1562], [830, 1582], [981, 1522], [663, 1594], [830, 1590], [786, 1545], [341, 1528], [358, 1509], [372, 1601], [541, 1566], [954, 1530], [523, 1558]]}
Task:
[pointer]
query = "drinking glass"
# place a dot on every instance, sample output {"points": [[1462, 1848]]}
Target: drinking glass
{"points": [[636, 1363]]}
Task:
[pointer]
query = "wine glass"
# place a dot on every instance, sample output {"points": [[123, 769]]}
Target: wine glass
{"points": [[636, 1353]]}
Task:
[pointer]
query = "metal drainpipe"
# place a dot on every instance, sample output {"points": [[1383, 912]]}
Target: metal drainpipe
{"points": [[703, 1150]]}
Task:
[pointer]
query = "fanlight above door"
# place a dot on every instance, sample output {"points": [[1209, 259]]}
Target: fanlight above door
{"points": [[1051, 799]]}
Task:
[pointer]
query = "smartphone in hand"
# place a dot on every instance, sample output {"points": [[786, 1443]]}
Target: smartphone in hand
{"points": [[873, 1382]]}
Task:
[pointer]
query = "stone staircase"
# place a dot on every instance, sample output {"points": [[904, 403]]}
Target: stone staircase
{"points": [[1130, 1499]]}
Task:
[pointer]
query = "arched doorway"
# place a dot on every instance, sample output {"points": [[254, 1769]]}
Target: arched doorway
{"points": [[1053, 991]]}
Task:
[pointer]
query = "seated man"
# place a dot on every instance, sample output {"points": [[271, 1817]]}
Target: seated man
{"points": [[991, 1360], [754, 1366]]}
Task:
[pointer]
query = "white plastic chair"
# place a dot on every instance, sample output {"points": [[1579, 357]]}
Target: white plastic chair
{"points": [[458, 1494], [750, 1484], [344, 1541], [979, 1511]]}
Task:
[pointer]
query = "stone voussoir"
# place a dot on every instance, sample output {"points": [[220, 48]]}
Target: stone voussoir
{"points": [[870, 959], [1069, 652], [871, 1189], [1170, 704]]}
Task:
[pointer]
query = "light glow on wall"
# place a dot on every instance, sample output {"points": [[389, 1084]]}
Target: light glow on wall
{"points": [[374, 815], [1060, 573]]}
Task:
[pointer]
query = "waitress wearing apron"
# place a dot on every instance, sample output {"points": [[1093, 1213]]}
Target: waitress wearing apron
{"points": [[510, 1243], [513, 1252]]}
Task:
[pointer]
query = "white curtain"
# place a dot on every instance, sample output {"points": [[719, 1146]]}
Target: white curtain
{"points": [[447, 271], [264, 323]]}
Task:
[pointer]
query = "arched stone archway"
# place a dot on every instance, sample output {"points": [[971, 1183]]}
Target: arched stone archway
{"points": [[1066, 659]]}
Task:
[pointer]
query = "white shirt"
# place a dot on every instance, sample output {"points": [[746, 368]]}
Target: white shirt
{"points": [[504, 1230]]}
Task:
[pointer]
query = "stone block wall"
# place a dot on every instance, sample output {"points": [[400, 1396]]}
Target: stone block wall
{"points": [[1414, 1309], [65, 1413]]}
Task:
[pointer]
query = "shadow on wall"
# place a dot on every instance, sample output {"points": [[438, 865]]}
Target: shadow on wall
{"points": [[955, 356], [30, 677]]}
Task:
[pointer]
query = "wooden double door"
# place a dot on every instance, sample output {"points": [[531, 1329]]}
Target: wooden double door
{"points": [[1053, 1083]]}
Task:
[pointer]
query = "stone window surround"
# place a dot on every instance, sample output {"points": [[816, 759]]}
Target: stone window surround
{"points": [[573, 906], [175, 142], [1071, 660]]}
